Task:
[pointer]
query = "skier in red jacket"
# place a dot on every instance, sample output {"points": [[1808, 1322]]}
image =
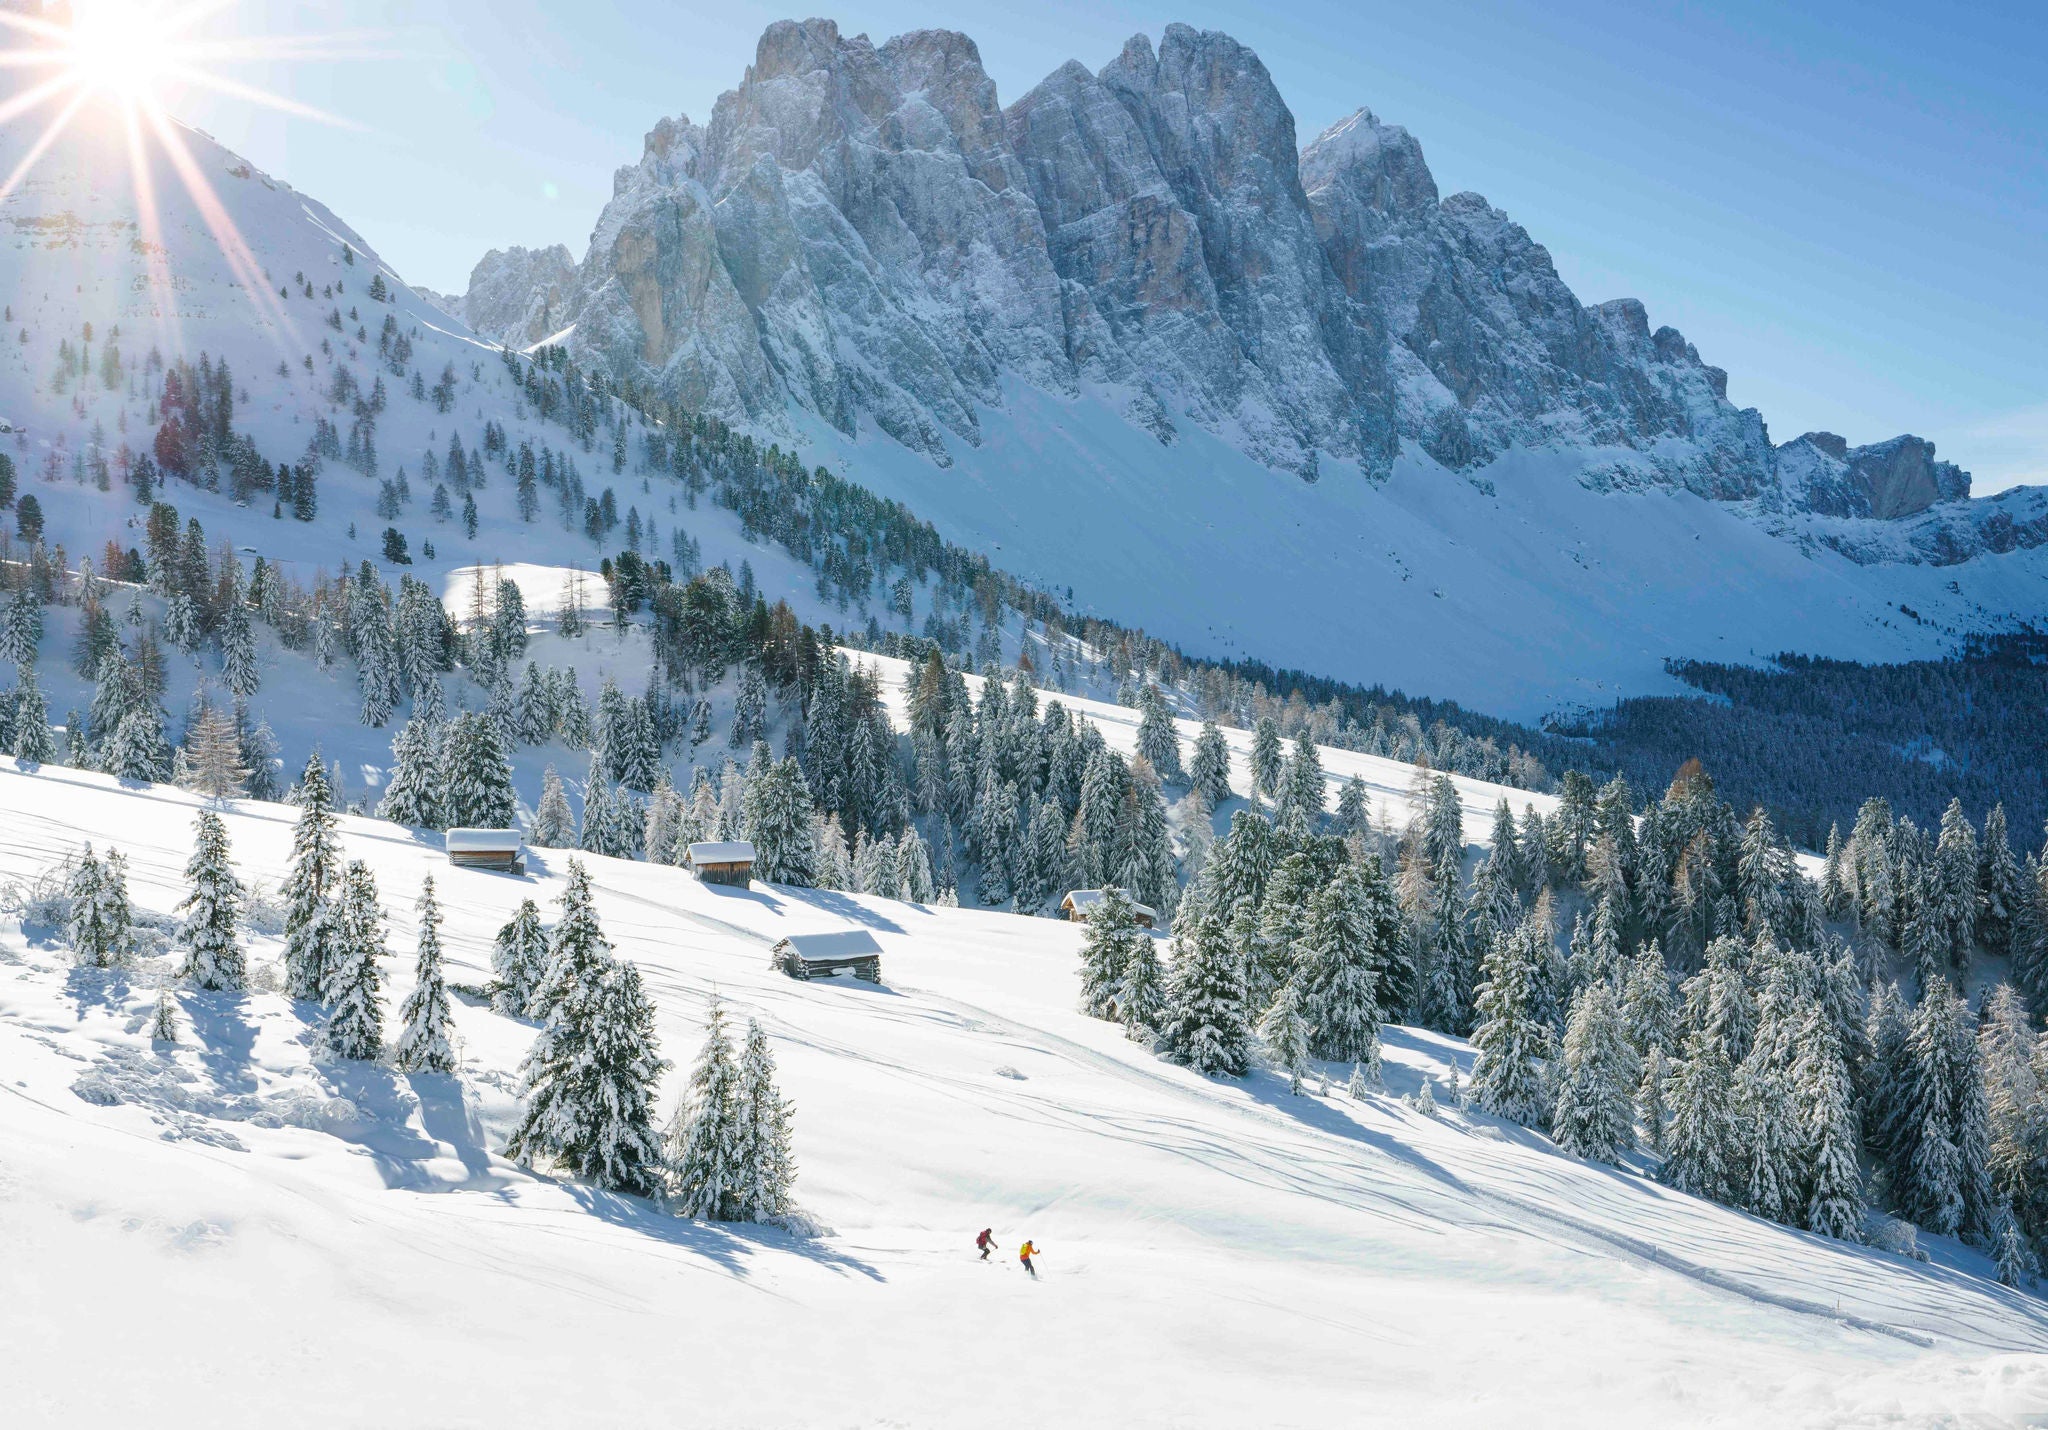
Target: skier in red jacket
{"points": [[986, 1241]]}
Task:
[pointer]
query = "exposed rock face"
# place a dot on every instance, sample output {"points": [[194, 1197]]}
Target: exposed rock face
{"points": [[867, 233], [519, 296]]}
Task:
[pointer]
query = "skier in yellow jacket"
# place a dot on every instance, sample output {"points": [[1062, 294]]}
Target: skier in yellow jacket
{"points": [[1024, 1254]]}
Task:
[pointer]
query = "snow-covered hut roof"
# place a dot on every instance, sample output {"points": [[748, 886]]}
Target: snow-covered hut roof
{"points": [[722, 851], [484, 841], [842, 943], [1082, 900]]}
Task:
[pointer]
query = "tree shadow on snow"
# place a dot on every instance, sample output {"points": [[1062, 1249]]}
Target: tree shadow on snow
{"points": [[402, 1154], [226, 1039], [1270, 1089], [727, 1244], [90, 989]]}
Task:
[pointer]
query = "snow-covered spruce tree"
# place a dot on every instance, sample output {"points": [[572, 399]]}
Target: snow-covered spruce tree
{"points": [[22, 631], [34, 742], [2000, 886], [1832, 1138], [1647, 1008], [707, 1151], [664, 818], [1206, 1025], [1513, 1041], [1107, 941], [1141, 998], [139, 751], [1341, 952], [766, 1133], [310, 933], [1209, 771], [116, 915], [86, 930], [213, 957], [1354, 808], [1699, 1143], [354, 986], [413, 795], [476, 787], [750, 708], [1286, 1033], [554, 826], [163, 1018], [577, 951], [1266, 756], [1956, 876], [1594, 1115], [2009, 1250], [1946, 1183], [1300, 801], [423, 1043], [1158, 741], [779, 822], [238, 652], [1767, 1142], [591, 1080], [1650, 1111], [519, 963]]}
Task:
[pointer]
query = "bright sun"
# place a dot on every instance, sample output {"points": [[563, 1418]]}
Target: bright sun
{"points": [[121, 50]]}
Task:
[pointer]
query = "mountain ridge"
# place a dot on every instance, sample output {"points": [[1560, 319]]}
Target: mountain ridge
{"points": [[863, 233]]}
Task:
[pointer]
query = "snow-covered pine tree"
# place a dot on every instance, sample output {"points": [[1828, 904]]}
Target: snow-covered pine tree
{"points": [[423, 1043], [1650, 1110], [591, 1080], [1206, 1025], [770, 1158], [1513, 1041], [1266, 756], [519, 963], [116, 916], [1286, 1033], [1832, 1139], [34, 742], [750, 708], [1300, 801], [1141, 997], [1768, 1136], [1648, 1010], [413, 795], [1209, 771], [664, 818], [213, 957], [779, 822], [1593, 1116], [577, 951], [1699, 1141], [85, 929], [1107, 941], [554, 826], [709, 1166], [310, 933], [1158, 741], [163, 1018], [1956, 883], [476, 788], [2000, 886], [2009, 1250], [1342, 950], [1354, 808], [354, 985], [238, 652]]}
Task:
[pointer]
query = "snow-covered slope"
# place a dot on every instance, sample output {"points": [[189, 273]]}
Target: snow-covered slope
{"points": [[260, 1228]]}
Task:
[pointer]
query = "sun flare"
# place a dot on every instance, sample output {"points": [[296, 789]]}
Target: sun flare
{"points": [[120, 50]]}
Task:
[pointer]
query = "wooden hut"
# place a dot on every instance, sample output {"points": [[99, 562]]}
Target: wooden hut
{"points": [[500, 849], [1076, 907], [821, 955], [723, 861]]}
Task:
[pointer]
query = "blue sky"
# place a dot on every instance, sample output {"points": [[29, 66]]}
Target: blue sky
{"points": [[1845, 205]]}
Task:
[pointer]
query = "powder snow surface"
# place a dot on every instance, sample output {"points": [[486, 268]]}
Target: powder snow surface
{"points": [[236, 1232]]}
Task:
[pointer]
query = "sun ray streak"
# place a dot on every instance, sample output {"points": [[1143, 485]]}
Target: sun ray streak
{"points": [[42, 144], [222, 225], [28, 99], [269, 100], [150, 221]]}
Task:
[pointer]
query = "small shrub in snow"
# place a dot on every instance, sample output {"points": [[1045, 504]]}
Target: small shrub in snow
{"points": [[1901, 1238]]}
